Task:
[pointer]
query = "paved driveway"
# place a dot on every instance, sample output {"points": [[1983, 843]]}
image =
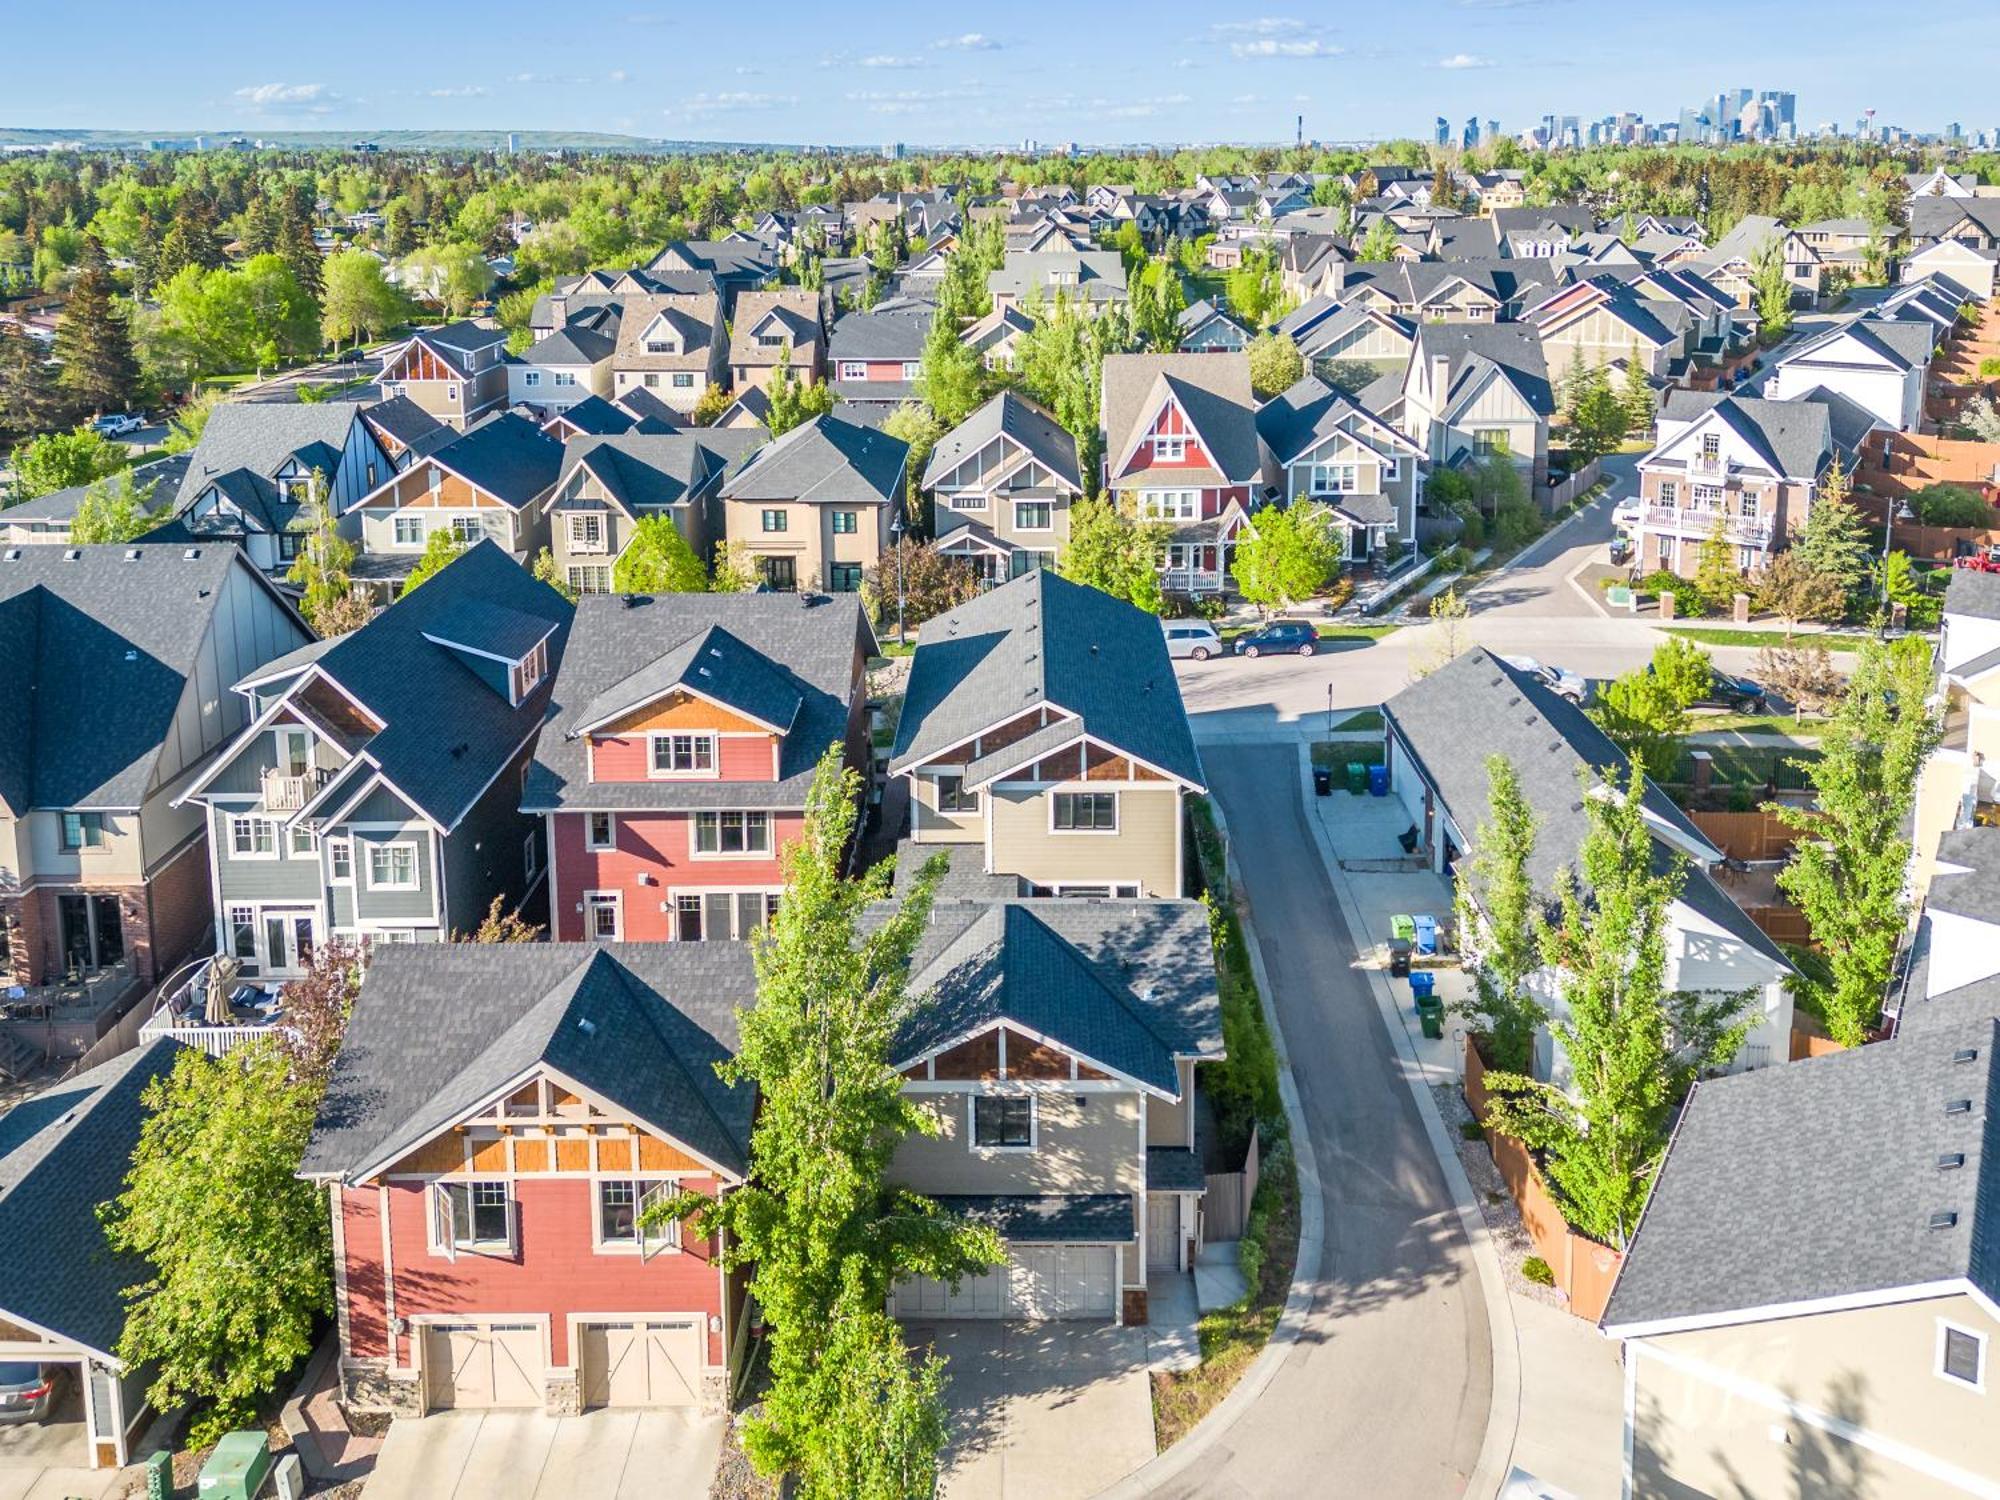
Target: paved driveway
{"points": [[525, 1455], [1041, 1411], [45, 1460]]}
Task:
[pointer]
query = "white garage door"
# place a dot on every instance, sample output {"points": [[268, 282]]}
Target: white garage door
{"points": [[641, 1364], [1039, 1281], [484, 1364]]}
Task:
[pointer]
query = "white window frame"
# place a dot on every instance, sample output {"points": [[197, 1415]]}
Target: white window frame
{"points": [[583, 577], [389, 847], [579, 522], [531, 378], [695, 851], [441, 1229], [972, 1123], [531, 855], [1154, 505], [853, 369], [593, 901], [526, 674], [970, 804], [683, 380], [1117, 813], [399, 523], [1945, 1328], [646, 1191], [282, 736], [591, 844], [696, 739], [1341, 478], [565, 378], [1170, 447], [238, 824], [339, 851], [292, 849], [912, 369]]}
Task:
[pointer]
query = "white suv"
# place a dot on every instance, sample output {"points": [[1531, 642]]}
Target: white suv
{"points": [[1195, 638]]}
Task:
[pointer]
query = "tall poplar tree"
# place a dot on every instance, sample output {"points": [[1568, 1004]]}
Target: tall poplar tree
{"points": [[1496, 915]]}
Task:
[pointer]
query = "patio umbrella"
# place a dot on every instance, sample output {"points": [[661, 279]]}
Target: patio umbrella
{"points": [[222, 974]]}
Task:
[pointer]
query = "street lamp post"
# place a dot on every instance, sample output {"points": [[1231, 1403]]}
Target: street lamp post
{"points": [[896, 540], [1891, 514]]}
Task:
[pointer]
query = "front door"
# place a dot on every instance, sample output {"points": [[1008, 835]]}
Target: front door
{"points": [[781, 573], [1163, 1232]]}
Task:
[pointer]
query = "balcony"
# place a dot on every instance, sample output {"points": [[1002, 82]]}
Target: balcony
{"points": [[1708, 463], [183, 1012], [284, 793], [1751, 531]]}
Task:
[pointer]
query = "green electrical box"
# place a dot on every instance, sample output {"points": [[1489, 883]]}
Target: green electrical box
{"points": [[160, 1476], [237, 1469]]}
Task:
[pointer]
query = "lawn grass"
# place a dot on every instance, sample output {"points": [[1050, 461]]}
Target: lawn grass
{"points": [[1337, 755], [1810, 727], [1368, 718], [1736, 635]]}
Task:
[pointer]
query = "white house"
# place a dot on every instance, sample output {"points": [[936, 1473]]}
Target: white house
{"points": [[1879, 365]]}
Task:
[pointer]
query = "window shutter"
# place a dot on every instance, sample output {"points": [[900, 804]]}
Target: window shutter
{"points": [[653, 1238], [444, 1220]]}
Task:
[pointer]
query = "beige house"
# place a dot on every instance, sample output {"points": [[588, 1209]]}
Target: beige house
{"points": [[783, 323], [1816, 1313], [1002, 483], [817, 508], [1604, 322], [1472, 392], [671, 344], [1059, 756], [1957, 787], [457, 373]]}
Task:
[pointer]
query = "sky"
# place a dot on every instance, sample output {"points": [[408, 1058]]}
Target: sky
{"points": [[994, 74]]}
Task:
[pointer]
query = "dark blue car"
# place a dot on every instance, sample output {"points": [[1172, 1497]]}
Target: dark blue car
{"points": [[1280, 635]]}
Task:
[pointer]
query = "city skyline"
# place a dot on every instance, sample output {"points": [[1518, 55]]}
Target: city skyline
{"points": [[905, 72]]}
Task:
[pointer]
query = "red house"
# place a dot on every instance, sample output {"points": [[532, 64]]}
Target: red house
{"points": [[1180, 446], [500, 1117], [682, 737]]}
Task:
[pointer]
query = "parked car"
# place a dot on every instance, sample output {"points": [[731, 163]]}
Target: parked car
{"points": [[1626, 513], [28, 1391], [1736, 694], [118, 423], [1562, 683], [1280, 635], [1195, 638]]}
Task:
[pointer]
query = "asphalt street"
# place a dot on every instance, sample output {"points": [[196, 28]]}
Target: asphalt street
{"points": [[1386, 1393]]}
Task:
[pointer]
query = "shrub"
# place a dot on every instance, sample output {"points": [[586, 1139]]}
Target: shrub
{"points": [[1516, 523], [1451, 559], [1950, 505], [1471, 1130], [1535, 1269], [1338, 591], [1989, 367]]}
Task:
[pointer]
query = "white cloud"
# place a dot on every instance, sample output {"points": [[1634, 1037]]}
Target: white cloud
{"points": [[1274, 47], [616, 75], [736, 101], [289, 98], [463, 91], [1137, 109], [1265, 26], [971, 41], [1464, 60], [888, 60]]}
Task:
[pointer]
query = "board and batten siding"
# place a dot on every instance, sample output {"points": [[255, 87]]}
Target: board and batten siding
{"points": [[1146, 847], [1084, 1143]]}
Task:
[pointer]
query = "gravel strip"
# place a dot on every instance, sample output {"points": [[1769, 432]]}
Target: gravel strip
{"points": [[1503, 1215]]}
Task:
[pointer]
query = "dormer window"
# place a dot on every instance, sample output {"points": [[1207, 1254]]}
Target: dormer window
{"points": [[658, 346], [527, 673], [683, 754]]}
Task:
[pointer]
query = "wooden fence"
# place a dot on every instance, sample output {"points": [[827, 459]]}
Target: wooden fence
{"points": [[1227, 1206], [1584, 1268], [1781, 924], [1746, 835], [1561, 494], [1809, 1038]]}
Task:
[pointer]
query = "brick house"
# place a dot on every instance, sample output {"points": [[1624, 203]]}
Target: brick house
{"points": [[499, 1118], [681, 738], [116, 656]]}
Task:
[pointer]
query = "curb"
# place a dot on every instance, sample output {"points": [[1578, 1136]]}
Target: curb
{"points": [[1214, 1427], [1504, 1411]]}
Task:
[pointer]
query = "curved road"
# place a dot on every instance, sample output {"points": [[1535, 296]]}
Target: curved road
{"points": [[1386, 1393]]}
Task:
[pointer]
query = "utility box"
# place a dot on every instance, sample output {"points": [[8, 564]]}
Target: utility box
{"points": [[160, 1476], [237, 1469], [289, 1478]]}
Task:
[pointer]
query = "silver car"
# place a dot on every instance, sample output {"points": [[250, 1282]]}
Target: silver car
{"points": [[1195, 638], [28, 1391]]}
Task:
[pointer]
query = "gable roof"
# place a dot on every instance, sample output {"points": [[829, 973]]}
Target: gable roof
{"points": [[885, 333], [1474, 351], [58, 508], [1901, 344], [440, 1028], [776, 648], [1794, 438], [1212, 390], [1311, 411], [399, 419], [794, 313], [506, 455], [452, 343], [696, 320], [62, 1153], [824, 461], [99, 643], [574, 343], [1043, 640], [639, 469], [1973, 593], [1013, 416], [258, 438]]}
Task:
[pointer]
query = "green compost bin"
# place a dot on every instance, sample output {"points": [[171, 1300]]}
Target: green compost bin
{"points": [[1403, 928], [1357, 778], [237, 1469]]}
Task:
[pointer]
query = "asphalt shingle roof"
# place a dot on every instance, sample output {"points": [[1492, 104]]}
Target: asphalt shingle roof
{"points": [[505, 455], [826, 461], [809, 642], [715, 665], [1973, 593], [1042, 639], [1212, 389], [1019, 419], [439, 1027], [260, 436], [1046, 1218], [895, 333], [641, 469]]}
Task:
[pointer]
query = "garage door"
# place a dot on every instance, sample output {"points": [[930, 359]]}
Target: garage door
{"points": [[484, 1364], [641, 1364], [1039, 1281]]}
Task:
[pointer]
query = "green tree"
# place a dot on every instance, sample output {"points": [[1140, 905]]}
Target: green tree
{"points": [[100, 373], [238, 1249], [1715, 574], [1683, 668], [185, 427], [441, 548], [1633, 1046], [735, 569], [1950, 505], [1379, 243], [356, 299], [322, 568], [1636, 396], [1646, 719], [1846, 872], [915, 424], [1448, 611], [1834, 539], [1060, 362], [793, 401], [1255, 289], [30, 400], [114, 509], [57, 460], [918, 580], [1497, 909], [950, 379], [1771, 290], [1288, 554], [658, 560], [1599, 421], [1275, 364], [1793, 589], [823, 1232], [1111, 550], [545, 570]]}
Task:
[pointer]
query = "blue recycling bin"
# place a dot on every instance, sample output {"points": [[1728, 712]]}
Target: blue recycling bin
{"points": [[1378, 781], [1423, 986], [1427, 934]]}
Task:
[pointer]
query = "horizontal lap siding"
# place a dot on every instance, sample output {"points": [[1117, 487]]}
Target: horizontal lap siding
{"points": [[657, 844], [628, 758]]}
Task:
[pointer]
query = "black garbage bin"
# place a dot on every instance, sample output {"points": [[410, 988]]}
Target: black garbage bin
{"points": [[1399, 958], [1322, 781]]}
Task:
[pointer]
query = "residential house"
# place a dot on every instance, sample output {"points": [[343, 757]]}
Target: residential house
{"points": [[1441, 732], [1499, 190], [1940, 183], [593, 416], [1541, 232], [1971, 268], [1306, 263], [609, 484], [1957, 788], [457, 373], [500, 1119], [373, 795], [1797, 1317], [403, 429], [1749, 465], [874, 356], [1971, 221], [488, 481], [681, 742], [1059, 1052], [1336, 338], [1458, 291], [673, 346], [1180, 444], [1207, 329], [63, 1154], [1603, 321], [997, 336], [1321, 444], [48, 518], [1092, 280], [738, 266], [1471, 393], [1002, 483], [1878, 364], [1731, 262], [816, 508], [570, 365], [116, 659], [604, 293], [1042, 732], [776, 325]]}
